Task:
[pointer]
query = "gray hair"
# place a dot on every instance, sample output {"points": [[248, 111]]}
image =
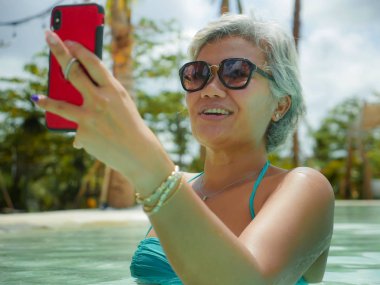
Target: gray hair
{"points": [[281, 61]]}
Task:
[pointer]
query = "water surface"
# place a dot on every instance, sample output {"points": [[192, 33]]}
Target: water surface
{"points": [[100, 253]]}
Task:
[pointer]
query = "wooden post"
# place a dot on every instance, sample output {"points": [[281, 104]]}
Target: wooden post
{"points": [[347, 186], [370, 118], [296, 35], [7, 198], [366, 191]]}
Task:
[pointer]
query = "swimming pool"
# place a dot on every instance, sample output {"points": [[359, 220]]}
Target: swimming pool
{"points": [[355, 252], [98, 250]]}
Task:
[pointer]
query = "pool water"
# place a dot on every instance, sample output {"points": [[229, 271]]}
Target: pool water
{"points": [[96, 254], [355, 251], [100, 253]]}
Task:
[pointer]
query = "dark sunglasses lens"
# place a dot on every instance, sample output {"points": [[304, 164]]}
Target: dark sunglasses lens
{"points": [[194, 75], [235, 72]]}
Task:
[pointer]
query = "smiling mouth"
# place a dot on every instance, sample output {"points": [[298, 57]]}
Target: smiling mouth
{"points": [[216, 112]]}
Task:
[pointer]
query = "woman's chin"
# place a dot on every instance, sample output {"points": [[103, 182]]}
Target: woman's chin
{"points": [[214, 140]]}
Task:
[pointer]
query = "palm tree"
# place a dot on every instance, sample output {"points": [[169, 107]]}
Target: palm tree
{"points": [[296, 35], [116, 191], [225, 7]]}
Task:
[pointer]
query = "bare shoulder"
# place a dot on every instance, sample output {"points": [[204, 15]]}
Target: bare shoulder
{"points": [[304, 189], [308, 181], [305, 192], [309, 172], [298, 217]]}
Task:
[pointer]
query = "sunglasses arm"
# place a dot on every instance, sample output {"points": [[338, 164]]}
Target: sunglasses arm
{"points": [[263, 73]]}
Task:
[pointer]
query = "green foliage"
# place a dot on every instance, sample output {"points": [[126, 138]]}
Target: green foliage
{"points": [[279, 160], [330, 149], [331, 137], [41, 170], [337, 134], [157, 55]]}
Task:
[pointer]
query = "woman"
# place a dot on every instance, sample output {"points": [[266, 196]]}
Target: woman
{"points": [[242, 220]]}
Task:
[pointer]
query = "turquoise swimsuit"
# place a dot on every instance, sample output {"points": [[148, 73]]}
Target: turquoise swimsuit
{"points": [[149, 263]]}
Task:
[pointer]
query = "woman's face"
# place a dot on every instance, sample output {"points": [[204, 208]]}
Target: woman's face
{"points": [[246, 112]]}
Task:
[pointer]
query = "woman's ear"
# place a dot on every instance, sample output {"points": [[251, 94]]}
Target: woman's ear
{"points": [[283, 106]]}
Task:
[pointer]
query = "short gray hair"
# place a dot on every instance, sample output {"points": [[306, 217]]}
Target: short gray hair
{"points": [[281, 61]]}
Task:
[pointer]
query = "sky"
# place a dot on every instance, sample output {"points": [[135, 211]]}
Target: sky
{"points": [[339, 46]]}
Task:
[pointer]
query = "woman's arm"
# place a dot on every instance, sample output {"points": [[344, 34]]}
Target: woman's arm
{"points": [[287, 235], [290, 232]]}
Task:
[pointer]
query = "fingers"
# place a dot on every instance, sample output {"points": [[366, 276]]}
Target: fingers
{"points": [[76, 74], [92, 64], [65, 51], [68, 111]]}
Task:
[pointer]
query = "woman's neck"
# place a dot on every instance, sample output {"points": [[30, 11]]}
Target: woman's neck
{"points": [[224, 167]]}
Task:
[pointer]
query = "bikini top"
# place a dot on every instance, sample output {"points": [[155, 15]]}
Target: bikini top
{"points": [[149, 264]]}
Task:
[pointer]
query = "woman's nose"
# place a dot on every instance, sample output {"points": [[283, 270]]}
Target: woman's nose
{"points": [[214, 87]]}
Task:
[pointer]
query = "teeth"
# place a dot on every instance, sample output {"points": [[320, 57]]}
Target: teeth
{"points": [[216, 111]]}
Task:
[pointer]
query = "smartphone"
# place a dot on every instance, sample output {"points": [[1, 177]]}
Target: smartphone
{"points": [[81, 23]]}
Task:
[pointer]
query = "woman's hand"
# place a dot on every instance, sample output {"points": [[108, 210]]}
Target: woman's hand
{"points": [[109, 125]]}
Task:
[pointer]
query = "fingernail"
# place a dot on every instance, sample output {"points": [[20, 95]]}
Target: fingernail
{"points": [[77, 145], [51, 38], [35, 98]]}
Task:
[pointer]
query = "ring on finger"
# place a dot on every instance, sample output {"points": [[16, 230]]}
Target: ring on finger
{"points": [[68, 68]]}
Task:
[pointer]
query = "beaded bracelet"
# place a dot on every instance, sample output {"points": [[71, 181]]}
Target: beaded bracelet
{"points": [[154, 201], [164, 198]]}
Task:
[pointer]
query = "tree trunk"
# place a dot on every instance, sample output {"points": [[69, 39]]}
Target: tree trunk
{"points": [[240, 7], [6, 197], [370, 119], [122, 42], [224, 7], [117, 192], [347, 183], [296, 35], [365, 191]]}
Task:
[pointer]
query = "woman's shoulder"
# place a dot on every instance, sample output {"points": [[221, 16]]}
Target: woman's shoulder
{"points": [[307, 180], [308, 173], [298, 172]]}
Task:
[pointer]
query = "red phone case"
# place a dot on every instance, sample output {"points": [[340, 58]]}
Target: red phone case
{"points": [[81, 23]]}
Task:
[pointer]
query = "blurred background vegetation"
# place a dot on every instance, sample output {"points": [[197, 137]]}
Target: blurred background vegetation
{"points": [[40, 170]]}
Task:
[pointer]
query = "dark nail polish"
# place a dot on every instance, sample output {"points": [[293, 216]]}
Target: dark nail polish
{"points": [[34, 98]]}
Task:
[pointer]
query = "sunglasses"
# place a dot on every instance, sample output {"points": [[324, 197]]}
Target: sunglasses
{"points": [[234, 73]]}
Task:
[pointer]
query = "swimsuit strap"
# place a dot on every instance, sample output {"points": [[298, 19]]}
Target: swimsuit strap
{"points": [[195, 177], [257, 183]]}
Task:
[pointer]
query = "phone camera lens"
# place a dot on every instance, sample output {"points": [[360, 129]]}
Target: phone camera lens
{"points": [[57, 17]]}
